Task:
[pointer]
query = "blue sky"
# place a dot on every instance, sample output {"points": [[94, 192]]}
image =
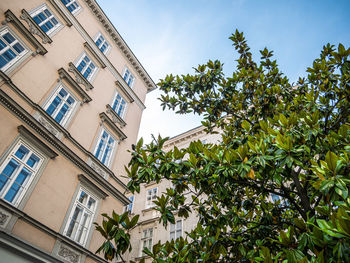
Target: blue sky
{"points": [[174, 36]]}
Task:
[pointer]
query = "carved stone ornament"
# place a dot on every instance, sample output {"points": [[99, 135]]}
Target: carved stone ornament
{"points": [[98, 169], [68, 254], [3, 218], [115, 117], [48, 126], [78, 78], [34, 28]]}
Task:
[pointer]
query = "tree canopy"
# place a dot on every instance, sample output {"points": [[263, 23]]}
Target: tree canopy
{"points": [[276, 187]]}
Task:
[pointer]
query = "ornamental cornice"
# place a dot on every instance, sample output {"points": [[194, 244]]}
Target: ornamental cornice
{"points": [[34, 28], [112, 31], [11, 18]]}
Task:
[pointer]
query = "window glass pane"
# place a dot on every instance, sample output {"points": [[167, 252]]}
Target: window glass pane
{"points": [[20, 180], [2, 45], [9, 38], [62, 113], [83, 197], [91, 203], [21, 152], [18, 47], [9, 55], [8, 172], [33, 160], [74, 223]]}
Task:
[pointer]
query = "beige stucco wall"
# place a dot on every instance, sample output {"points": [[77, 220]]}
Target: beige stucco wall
{"points": [[53, 190]]}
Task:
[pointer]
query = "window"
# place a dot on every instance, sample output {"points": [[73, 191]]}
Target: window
{"points": [[45, 19], [11, 50], [176, 230], [128, 77], [128, 208], [18, 171], [61, 105], [102, 43], [119, 105], [81, 217], [86, 67], [104, 147], [146, 240], [151, 196], [71, 5]]}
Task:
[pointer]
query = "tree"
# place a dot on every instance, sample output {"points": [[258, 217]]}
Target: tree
{"points": [[288, 141]]}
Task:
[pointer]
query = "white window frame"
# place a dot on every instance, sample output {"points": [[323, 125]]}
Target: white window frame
{"points": [[71, 2], [99, 34], [130, 206], [123, 112], [174, 230], [85, 210], [19, 56], [153, 196], [147, 239], [22, 164], [41, 9], [128, 78], [111, 154], [65, 120], [93, 72]]}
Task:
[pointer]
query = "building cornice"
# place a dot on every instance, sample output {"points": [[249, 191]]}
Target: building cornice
{"points": [[46, 135], [34, 28], [10, 17], [30, 220], [112, 31], [110, 123], [63, 74], [187, 135]]}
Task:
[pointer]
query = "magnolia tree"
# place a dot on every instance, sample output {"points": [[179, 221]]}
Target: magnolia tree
{"points": [[289, 142]]}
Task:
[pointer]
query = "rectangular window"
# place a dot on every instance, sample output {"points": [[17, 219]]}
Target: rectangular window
{"points": [[128, 77], [86, 67], [45, 19], [146, 240], [119, 105], [128, 208], [102, 43], [18, 171], [151, 196], [71, 5], [176, 230], [11, 50], [104, 147], [61, 105], [81, 217]]}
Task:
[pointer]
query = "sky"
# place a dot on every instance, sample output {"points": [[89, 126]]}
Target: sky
{"points": [[172, 37]]}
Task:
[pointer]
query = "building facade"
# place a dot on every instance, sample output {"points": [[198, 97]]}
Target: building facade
{"points": [[71, 99], [149, 231]]}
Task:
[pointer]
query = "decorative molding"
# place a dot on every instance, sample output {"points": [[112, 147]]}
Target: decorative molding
{"points": [[126, 93], [44, 228], [4, 218], [97, 168], [79, 77], [65, 18], [10, 17], [48, 126], [115, 117], [68, 254], [36, 141], [87, 183], [95, 55], [34, 28], [63, 74], [119, 41], [22, 114], [110, 123]]}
